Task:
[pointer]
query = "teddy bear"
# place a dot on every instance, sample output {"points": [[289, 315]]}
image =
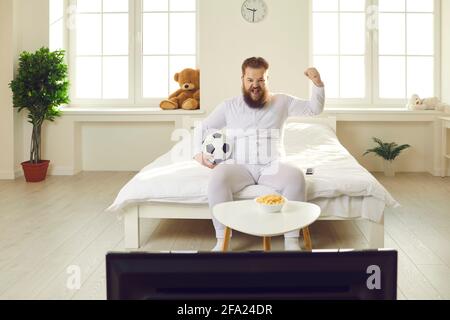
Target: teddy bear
{"points": [[415, 103], [188, 96]]}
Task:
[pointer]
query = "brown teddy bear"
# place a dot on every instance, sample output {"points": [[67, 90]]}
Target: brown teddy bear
{"points": [[188, 96]]}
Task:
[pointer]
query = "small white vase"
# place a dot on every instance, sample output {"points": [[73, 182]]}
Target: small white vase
{"points": [[388, 167]]}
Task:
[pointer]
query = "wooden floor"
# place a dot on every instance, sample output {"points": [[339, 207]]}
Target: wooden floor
{"points": [[50, 229]]}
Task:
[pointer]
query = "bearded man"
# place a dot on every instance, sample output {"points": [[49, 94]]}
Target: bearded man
{"points": [[259, 116]]}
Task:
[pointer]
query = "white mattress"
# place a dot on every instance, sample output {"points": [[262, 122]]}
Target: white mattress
{"points": [[340, 185]]}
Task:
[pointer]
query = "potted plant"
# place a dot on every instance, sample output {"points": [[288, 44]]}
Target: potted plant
{"points": [[387, 151], [40, 86]]}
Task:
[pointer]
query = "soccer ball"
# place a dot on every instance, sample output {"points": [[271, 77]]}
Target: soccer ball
{"points": [[217, 146]]}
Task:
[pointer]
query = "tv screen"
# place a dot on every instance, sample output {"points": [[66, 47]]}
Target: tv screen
{"points": [[357, 275]]}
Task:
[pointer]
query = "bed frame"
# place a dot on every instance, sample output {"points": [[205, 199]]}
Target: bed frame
{"points": [[154, 210]]}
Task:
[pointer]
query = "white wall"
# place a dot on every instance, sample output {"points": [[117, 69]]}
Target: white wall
{"points": [[6, 74], [112, 147], [18, 118], [445, 57], [357, 138], [445, 50], [30, 21], [225, 41]]}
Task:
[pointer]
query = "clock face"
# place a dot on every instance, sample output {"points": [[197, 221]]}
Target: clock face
{"points": [[254, 10]]}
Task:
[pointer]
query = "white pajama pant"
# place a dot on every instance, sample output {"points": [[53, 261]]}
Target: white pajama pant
{"points": [[227, 179]]}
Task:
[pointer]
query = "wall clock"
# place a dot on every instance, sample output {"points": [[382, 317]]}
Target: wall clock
{"points": [[254, 10]]}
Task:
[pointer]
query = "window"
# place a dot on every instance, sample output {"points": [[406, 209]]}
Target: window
{"points": [[339, 45], [376, 52], [169, 50], [101, 55], [56, 25], [406, 48], [125, 52]]}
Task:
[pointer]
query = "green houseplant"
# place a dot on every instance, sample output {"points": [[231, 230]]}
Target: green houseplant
{"points": [[40, 86], [387, 151]]}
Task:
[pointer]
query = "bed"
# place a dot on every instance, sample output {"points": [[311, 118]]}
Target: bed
{"points": [[175, 187]]}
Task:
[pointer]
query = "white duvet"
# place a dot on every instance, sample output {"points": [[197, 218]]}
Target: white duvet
{"points": [[336, 173]]}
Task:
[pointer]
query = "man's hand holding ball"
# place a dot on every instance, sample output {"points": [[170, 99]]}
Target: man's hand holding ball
{"points": [[202, 158]]}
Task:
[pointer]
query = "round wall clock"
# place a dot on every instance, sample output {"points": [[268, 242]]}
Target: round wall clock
{"points": [[254, 10]]}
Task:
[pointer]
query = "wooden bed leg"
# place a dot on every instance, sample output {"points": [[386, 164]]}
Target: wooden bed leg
{"points": [[131, 224], [376, 234]]}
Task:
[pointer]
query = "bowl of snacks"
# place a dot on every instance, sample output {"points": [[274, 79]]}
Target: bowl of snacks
{"points": [[271, 203]]}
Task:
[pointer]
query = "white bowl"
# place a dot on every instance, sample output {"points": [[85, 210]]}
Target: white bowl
{"points": [[270, 208]]}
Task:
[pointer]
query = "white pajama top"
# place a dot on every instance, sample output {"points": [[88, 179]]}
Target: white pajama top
{"points": [[257, 133]]}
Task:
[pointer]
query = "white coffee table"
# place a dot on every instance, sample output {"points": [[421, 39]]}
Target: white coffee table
{"points": [[245, 216]]}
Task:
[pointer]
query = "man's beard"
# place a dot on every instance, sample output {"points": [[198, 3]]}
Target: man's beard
{"points": [[260, 102]]}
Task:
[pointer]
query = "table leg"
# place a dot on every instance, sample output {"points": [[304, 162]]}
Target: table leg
{"points": [[266, 243], [307, 239], [226, 241]]}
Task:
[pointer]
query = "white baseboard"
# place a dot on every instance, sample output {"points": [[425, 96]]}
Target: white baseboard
{"points": [[70, 171], [437, 173], [52, 171], [7, 175], [61, 171], [18, 173]]}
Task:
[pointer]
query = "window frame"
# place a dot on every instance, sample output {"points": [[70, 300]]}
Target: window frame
{"points": [[139, 55], [51, 24], [354, 102], [135, 58], [372, 98]]}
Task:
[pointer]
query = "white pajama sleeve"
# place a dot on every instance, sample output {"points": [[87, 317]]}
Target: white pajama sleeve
{"points": [[215, 121], [304, 108]]}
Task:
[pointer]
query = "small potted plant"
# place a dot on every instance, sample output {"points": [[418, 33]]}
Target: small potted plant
{"points": [[387, 151], [40, 86]]}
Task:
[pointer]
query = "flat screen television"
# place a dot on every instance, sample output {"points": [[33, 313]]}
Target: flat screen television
{"points": [[360, 275]]}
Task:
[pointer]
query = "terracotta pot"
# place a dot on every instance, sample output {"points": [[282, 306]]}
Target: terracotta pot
{"points": [[35, 172]]}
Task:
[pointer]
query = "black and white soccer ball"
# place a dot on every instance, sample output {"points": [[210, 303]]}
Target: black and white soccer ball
{"points": [[217, 146]]}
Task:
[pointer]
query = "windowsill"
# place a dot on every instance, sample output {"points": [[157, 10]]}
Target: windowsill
{"points": [[356, 114], [372, 110], [157, 110], [361, 114], [92, 111]]}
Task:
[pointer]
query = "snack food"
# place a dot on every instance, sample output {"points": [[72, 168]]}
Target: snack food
{"points": [[270, 199]]}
